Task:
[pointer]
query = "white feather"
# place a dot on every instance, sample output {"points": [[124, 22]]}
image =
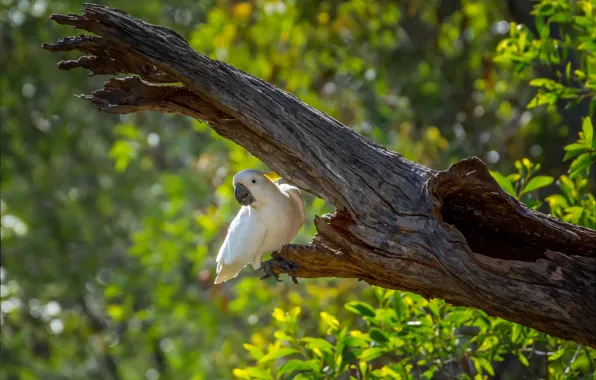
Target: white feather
{"points": [[296, 197], [243, 240]]}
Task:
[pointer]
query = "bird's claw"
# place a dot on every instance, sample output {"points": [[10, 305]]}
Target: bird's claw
{"points": [[280, 262], [267, 268]]}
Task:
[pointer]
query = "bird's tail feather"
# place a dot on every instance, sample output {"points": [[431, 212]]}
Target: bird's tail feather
{"points": [[226, 272]]}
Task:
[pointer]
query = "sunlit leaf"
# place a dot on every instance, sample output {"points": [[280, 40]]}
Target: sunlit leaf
{"points": [[378, 336], [536, 183], [372, 353], [557, 355], [361, 308], [277, 353], [503, 182], [331, 321], [298, 366], [318, 343], [255, 352], [588, 130]]}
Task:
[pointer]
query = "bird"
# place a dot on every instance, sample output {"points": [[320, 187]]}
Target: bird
{"points": [[270, 216]]}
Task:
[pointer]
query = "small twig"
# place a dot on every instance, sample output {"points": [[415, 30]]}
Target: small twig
{"points": [[579, 346]]}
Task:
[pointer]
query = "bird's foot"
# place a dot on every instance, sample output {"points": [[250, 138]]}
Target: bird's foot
{"points": [[282, 264], [267, 268]]}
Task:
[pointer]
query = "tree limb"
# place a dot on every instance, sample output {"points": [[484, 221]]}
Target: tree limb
{"points": [[452, 234]]}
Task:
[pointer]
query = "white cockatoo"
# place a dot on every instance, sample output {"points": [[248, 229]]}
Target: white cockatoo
{"points": [[270, 218]]}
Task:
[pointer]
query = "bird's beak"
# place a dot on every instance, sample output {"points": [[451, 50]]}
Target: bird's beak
{"points": [[243, 195]]}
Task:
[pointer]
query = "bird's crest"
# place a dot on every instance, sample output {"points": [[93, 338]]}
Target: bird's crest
{"points": [[272, 176]]}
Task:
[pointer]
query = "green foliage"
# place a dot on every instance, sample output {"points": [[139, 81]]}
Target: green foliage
{"points": [[583, 152], [522, 183], [576, 23], [405, 336], [575, 203]]}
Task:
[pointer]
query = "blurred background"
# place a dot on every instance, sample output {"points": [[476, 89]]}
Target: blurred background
{"points": [[111, 224]]}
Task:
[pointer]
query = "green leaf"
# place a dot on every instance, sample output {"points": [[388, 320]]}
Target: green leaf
{"points": [[385, 315], [115, 312], [318, 343], [488, 343], [400, 308], [282, 335], [372, 353], [297, 366], [356, 341], [574, 146], [557, 201], [386, 373], [581, 164], [378, 335], [459, 316], [361, 308], [567, 186], [257, 373], [241, 373], [536, 183], [341, 340], [331, 321], [543, 82], [126, 130], [573, 214], [573, 150], [503, 182], [487, 367], [522, 41], [301, 377], [277, 353], [562, 18], [434, 308], [556, 355], [567, 68], [112, 291], [255, 352], [428, 374], [516, 332], [588, 130]]}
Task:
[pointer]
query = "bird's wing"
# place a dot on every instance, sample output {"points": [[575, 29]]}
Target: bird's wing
{"points": [[242, 243], [296, 198]]}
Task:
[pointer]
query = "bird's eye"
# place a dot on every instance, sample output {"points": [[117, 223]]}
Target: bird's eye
{"points": [[254, 181]]}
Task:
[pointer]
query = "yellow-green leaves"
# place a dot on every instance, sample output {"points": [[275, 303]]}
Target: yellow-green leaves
{"points": [[504, 182], [574, 204], [277, 353], [536, 183], [293, 366], [318, 345], [254, 351], [522, 184], [116, 312], [575, 22], [588, 130], [583, 151], [361, 308], [330, 321], [123, 152]]}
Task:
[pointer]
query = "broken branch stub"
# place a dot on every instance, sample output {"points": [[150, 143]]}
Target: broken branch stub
{"points": [[452, 234]]}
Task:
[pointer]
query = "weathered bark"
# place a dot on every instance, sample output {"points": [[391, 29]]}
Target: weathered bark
{"points": [[453, 234]]}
